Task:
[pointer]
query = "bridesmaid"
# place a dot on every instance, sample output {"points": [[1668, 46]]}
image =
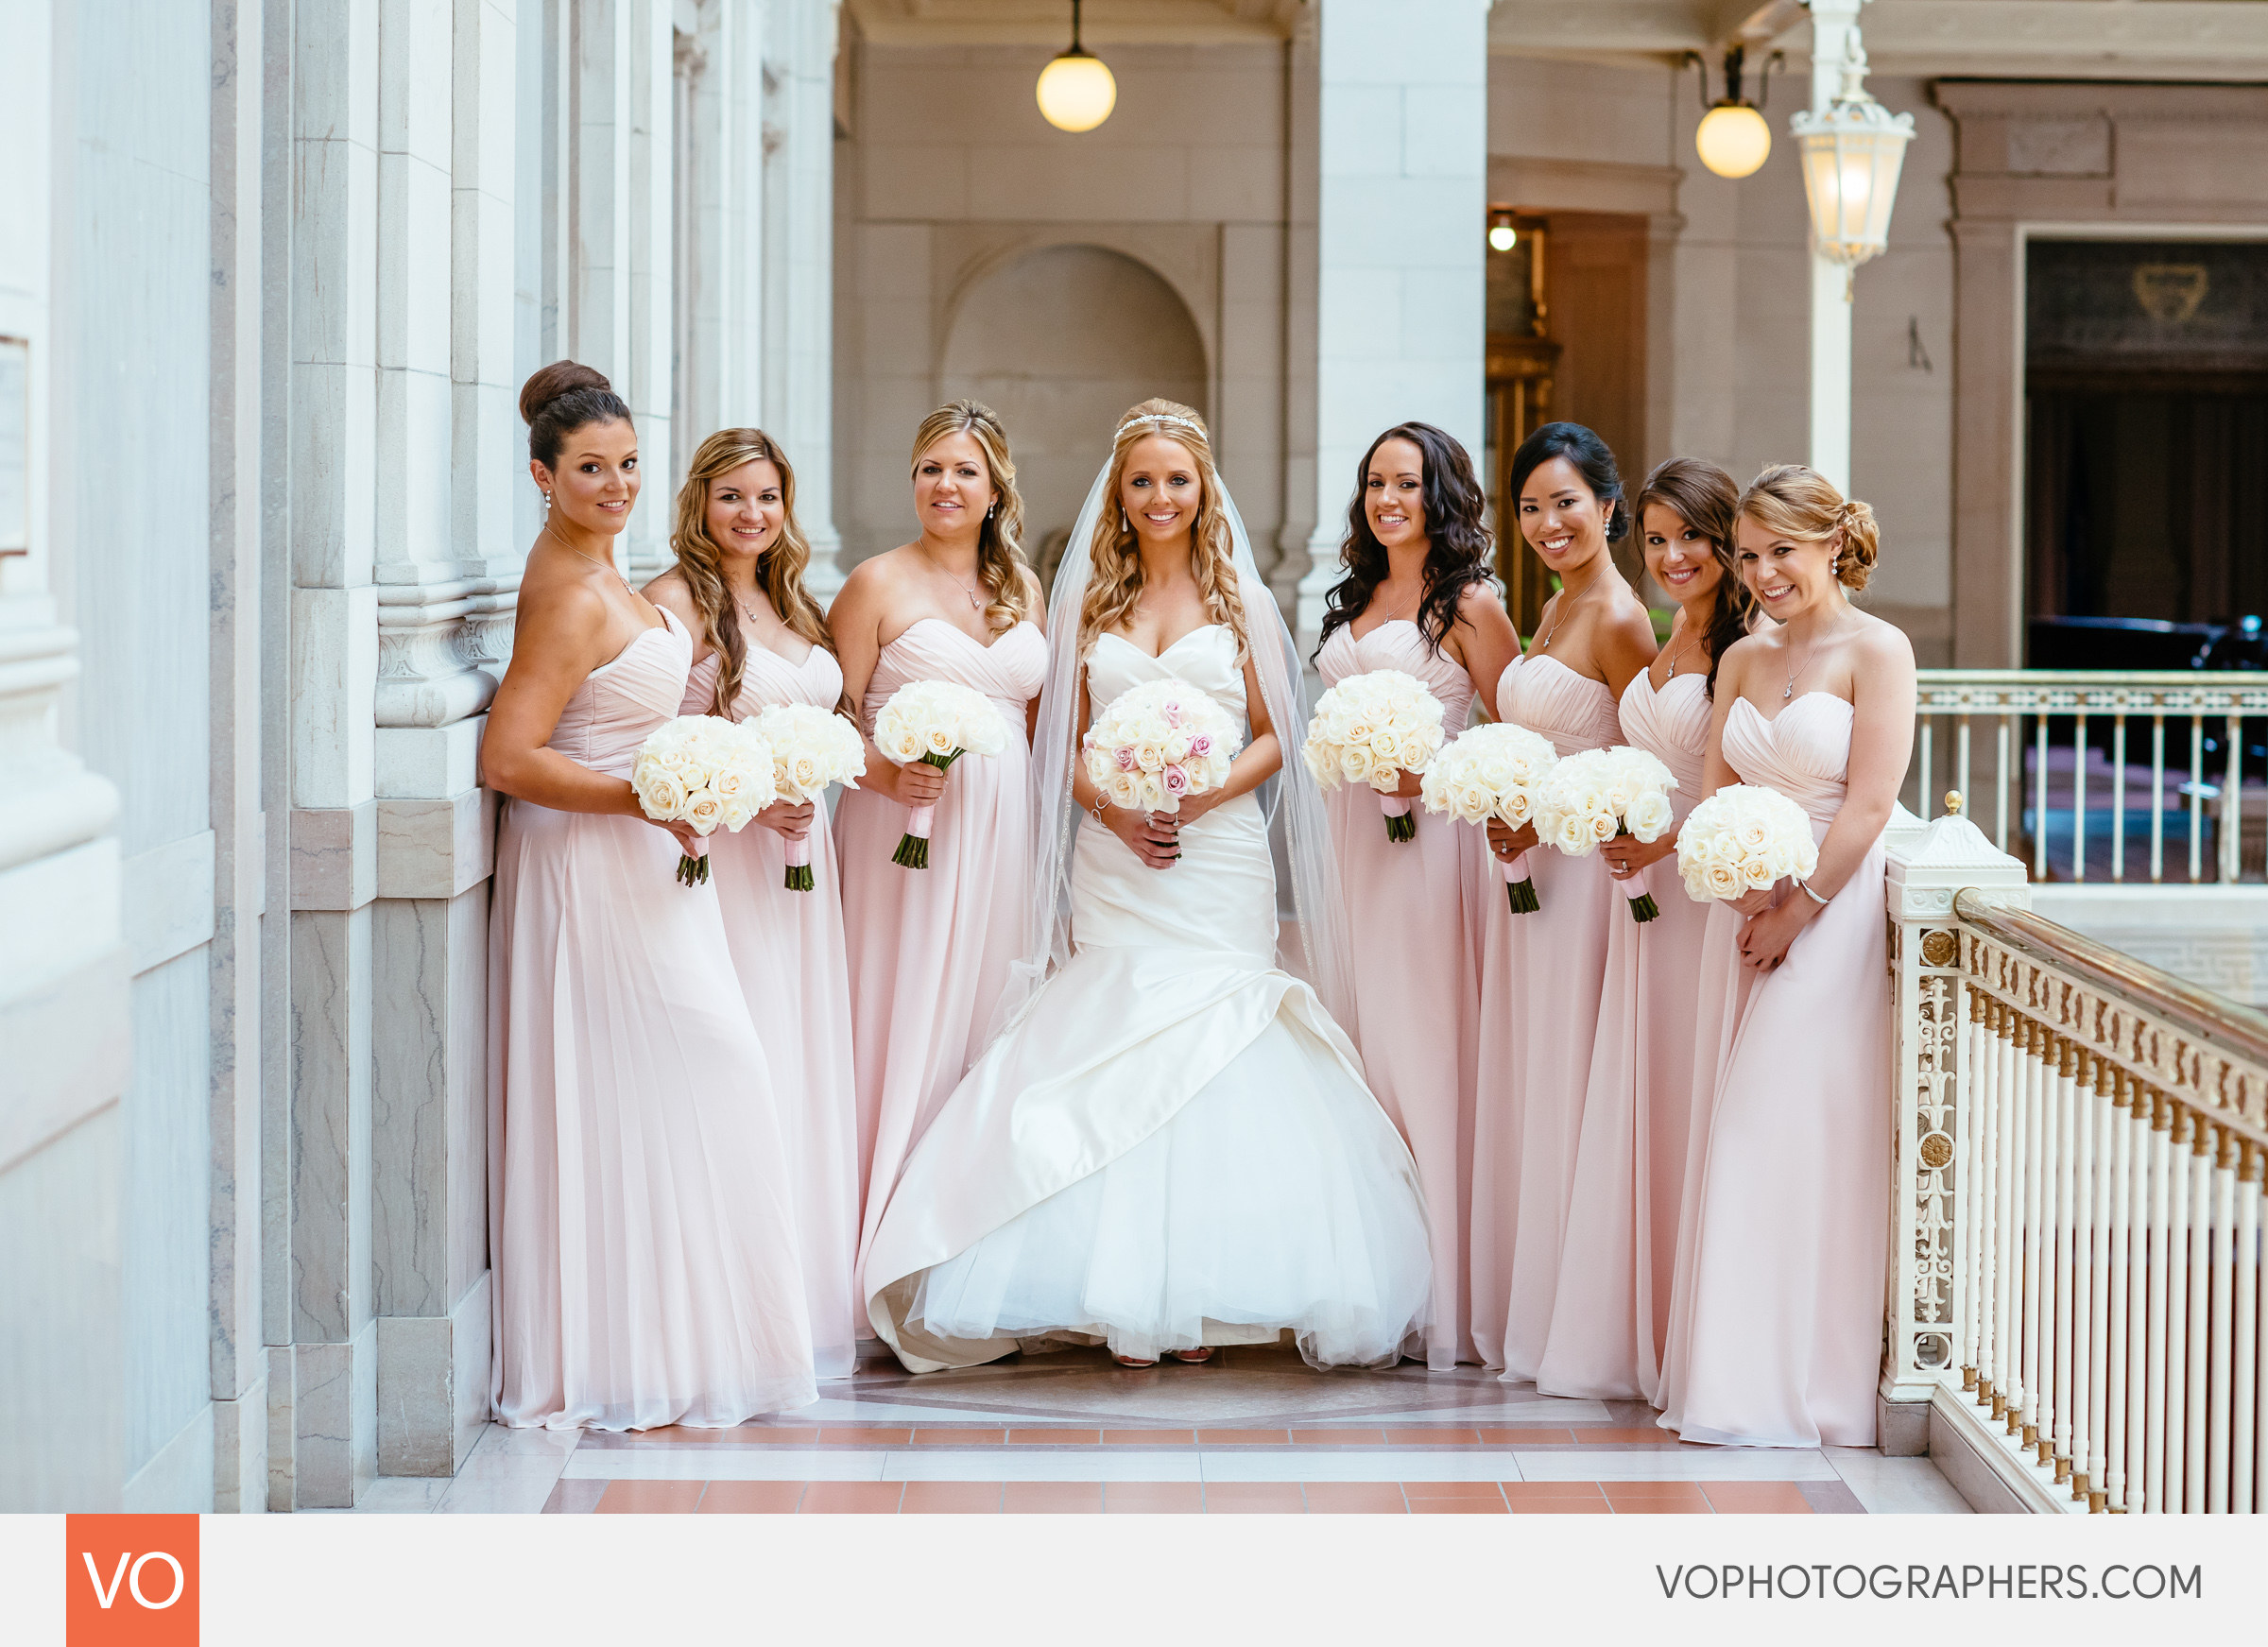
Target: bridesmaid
{"points": [[1543, 973], [930, 949], [640, 1219], [1776, 1313], [759, 639], [1418, 598], [1621, 1244]]}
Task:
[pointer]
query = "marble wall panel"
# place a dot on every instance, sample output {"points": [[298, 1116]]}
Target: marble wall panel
{"points": [[168, 900], [333, 856], [419, 763], [177, 1480], [435, 849], [240, 1429], [335, 1416], [333, 693], [167, 1210], [330, 1141]]}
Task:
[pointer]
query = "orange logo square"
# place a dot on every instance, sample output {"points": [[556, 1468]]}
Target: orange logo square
{"points": [[130, 1581]]}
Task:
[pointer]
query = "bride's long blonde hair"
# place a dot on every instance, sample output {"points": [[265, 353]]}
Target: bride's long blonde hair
{"points": [[1114, 584]]}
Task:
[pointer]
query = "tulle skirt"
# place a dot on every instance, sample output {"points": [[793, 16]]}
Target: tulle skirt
{"points": [[1264, 1204]]}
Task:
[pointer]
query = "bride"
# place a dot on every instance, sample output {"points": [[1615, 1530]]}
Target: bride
{"points": [[1170, 1146]]}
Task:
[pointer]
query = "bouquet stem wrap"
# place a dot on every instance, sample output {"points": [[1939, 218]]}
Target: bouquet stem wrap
{"points": [[913, 846], [1519, 889], [1401, 823], [693, 871], [1642, 906], [798, 865]]}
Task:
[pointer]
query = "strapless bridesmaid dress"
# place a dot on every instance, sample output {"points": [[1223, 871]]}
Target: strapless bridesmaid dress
{"points": [[930, 949], [787, 948], [1611, 1309], [1541, 976], [642, 1219], [1777, 1318], [1415, 908]]}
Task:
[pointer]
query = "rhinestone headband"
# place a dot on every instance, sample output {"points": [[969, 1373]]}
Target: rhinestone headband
{"points": [[1160, 420]]}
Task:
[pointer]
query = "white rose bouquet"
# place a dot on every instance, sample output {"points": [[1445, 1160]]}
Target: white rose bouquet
{"points": [[810, 748], [1493, 771], [707, 772], [1158, 744], [1743, 839], [1591, 797], [1371, 729], [935, 722]]}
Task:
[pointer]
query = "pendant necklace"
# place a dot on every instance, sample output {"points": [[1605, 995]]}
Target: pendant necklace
{"points": [[1674, 653], [1568, 599], [608, 564]]}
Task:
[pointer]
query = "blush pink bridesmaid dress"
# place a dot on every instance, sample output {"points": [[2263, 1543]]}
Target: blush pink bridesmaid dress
{"points": [[1414, 909], [1776, 1323], [1541, 977], [1611, 1309], [787, 948], [642, 1218], [930, 949]]}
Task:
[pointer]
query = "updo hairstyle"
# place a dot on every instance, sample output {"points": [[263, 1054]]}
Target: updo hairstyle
{"points": [[561, 398], [1791, 501], [1593, 459]]}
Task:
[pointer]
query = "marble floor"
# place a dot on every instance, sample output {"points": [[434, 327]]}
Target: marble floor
{"points": [[1254, 1430]]}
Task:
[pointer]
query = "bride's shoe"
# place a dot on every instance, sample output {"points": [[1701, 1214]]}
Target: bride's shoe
{"points": [[1193, 1357], [1133, 1361]]}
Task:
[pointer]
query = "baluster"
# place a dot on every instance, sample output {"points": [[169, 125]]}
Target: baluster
{"points": [[1961, 753], [2118, 798], [1991, 1381], [1928, 734], [1969, 1203], [2079, 798], [2079, 1389], [2055, 1346], [2039, 1278], [2181, 1152], [2224, 1177], [2103, 1342], [2197, 1316], [2153, 1446], [2232, 804], [2157, 797], [2008, 1342], [2039, 798], [2129, 1147], [2197, 798], [2244, 1465], [2000, 787]]}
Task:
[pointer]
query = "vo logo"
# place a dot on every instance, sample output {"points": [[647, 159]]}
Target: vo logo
{"points": [[130, 1580]]}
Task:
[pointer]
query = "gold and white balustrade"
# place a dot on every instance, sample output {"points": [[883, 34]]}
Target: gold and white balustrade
{"points": [[2080, 1150]]}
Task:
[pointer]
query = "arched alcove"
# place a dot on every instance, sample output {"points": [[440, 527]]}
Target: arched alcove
{"points": [[1060, 342]]}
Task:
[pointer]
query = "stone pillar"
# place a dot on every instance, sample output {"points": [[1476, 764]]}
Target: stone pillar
{"points": [[64, 997], [240, 1364], [1402, 206], [324, 1386], [1834, 47], [798, 264], [720, 284], [447, 571]]}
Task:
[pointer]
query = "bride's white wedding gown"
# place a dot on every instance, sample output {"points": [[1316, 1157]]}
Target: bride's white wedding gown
{"points": [[1174, 1145]]}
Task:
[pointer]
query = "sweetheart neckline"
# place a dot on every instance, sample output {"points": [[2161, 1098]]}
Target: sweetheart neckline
{"points": [[1654, 690], [1160, 657], [980, 645], [669, 622], [1547, 658], [1773, 720]]}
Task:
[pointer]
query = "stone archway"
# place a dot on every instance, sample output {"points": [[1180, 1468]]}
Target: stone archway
{"points": [[1060, 341]]}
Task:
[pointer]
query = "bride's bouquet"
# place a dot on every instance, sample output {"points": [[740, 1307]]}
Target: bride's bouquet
{"points": [[935, 722], [810, 748], [1594, 797], [704, 771], [1740, 840], [1156, 744], [1493, 771], [1371, 729]]}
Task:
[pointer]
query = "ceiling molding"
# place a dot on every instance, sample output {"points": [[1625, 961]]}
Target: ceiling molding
{"points": [[1047, 23]]}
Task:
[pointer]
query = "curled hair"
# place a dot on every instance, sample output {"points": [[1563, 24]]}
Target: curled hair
{"points": [[1458, 543], [1793, 502], [1704, 498], [1114, 584], [561, 398], [1001, 566], [701, 558], [1593, 461]]}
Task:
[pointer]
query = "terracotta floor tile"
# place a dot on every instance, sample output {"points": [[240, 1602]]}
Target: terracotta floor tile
{"points": [[1661, 1508], [752, 1498], [1615, 1436], [959, 1437], [1154, 1498], [1756, 1498], [1282, 1498], [1457, 1507], [1561, 1507], [770, 1434], [1432, 1436], [1242, 1437], [1054, 1498], [1486, 1490], [1349, 1438], [853, 1497], [1149, 1437], [862, 1435], [672, 1435], [1616, 1491], [1517, 1490], [951, 1497], [631, 1497], [1047, 1435], [1528, 1437], [1355, 1498]]}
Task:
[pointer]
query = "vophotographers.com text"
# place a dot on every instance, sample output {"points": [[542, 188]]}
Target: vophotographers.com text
{"points": [[1914, 1581]]}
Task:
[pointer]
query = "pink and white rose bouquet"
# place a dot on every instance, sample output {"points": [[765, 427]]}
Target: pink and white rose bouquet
{"points": [[1158, 745]]}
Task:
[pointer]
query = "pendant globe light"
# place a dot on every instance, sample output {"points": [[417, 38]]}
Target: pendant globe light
{"points": [[1733, 140], [1077, 91]]}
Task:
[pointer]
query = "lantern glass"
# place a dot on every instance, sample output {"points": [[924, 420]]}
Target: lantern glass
{"points": [[1852, 157], [1077, 91]]}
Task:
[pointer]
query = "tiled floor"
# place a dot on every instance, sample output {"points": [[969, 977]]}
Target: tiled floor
{"points": [[1254, 1431]]}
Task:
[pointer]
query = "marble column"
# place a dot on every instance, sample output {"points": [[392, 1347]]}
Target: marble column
{"points": [[720, 282], [801, 41], [1401, 199], [63, 997]]}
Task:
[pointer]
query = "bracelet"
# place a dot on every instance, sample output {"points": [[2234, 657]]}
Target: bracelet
{"points": [[1100, 802], [1805, 889]]}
